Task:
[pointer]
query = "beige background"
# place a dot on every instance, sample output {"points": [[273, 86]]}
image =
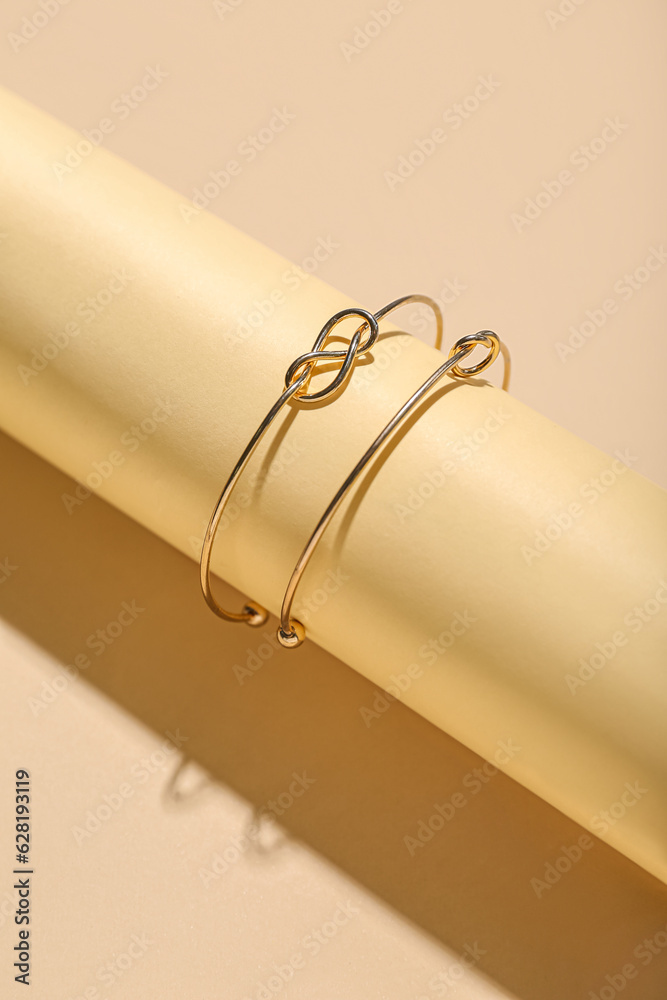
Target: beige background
{"points": [[323, 177]]}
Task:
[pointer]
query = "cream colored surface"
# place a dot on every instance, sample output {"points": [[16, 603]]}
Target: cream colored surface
{"points": [[449, 223]]}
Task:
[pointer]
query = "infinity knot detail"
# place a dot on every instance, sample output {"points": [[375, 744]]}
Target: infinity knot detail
{"points": [[300, 371]]}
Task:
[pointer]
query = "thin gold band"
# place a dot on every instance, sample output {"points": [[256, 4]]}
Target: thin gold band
{"points": [[291, 632]]}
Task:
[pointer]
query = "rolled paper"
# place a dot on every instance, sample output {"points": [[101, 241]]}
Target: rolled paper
{"points": [[492, 571]]}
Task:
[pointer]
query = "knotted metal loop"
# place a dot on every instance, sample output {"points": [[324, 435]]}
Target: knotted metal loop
{"points": [[306, 363]]}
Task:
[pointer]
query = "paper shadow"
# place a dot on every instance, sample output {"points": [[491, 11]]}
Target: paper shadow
{"points": [[300, 711]]}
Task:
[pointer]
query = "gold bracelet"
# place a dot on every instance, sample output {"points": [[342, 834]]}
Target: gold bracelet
{"points": [[291, 632]]}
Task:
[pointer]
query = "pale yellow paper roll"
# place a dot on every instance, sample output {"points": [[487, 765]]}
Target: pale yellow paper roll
{"points": [[506, 579]]}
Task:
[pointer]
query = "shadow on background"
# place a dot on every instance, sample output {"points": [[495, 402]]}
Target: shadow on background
{"points": [[300, 711]]}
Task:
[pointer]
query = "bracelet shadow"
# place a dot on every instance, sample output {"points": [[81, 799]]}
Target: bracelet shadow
{"points": [[301, 711]]}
